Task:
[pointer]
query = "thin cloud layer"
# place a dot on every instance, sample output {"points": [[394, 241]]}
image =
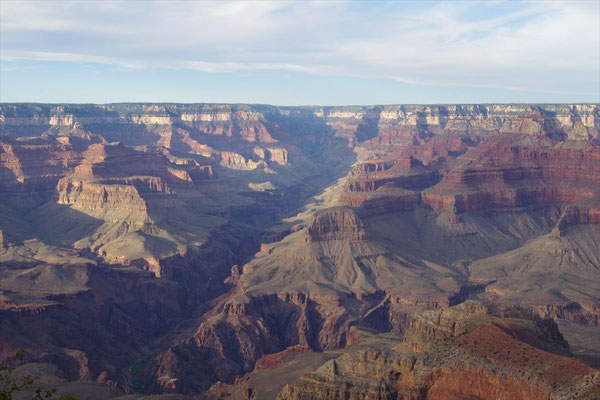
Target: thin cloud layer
{"points": [[551, 47]]}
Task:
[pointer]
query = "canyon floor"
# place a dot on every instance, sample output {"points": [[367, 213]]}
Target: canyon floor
{"points": [[218, 251]]}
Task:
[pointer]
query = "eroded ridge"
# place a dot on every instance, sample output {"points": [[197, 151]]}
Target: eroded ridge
{"points": [[203, 238]]}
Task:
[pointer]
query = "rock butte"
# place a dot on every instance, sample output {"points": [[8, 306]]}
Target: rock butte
{"points": [[253, 251]]}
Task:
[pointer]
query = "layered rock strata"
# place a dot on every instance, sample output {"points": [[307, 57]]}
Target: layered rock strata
{"points": [[456, 353], [343, 220]]}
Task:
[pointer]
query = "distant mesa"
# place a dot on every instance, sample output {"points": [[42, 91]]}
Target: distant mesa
{"points": [[255, 251]]}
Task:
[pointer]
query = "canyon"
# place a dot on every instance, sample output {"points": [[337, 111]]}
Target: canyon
{"points": [[231, 251]]}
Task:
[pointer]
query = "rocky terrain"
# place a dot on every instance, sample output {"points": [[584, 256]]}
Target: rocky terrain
{"points": [[201, 248], [466, 351]]}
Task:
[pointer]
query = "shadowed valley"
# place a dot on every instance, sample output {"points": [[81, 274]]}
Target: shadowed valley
{"points": [[254, 251]]}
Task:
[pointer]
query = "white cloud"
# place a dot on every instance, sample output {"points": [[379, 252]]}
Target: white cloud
{"points": [[537, 46]]}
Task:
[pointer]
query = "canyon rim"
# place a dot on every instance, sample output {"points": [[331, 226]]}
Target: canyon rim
{"points": [[285, 200]]}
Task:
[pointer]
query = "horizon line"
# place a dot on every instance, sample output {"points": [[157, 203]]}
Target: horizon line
{"points": [[300, 105]]}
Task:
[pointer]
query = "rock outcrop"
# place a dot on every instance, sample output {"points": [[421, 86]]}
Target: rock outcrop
{"points": [[335, 224], [460, 352], [126, 223]]}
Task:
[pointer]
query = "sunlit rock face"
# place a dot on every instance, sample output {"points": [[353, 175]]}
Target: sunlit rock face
{"points": [[174, 247], [457, 353]]}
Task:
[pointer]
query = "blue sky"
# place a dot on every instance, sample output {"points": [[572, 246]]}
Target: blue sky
{"points": [[300, 52]]}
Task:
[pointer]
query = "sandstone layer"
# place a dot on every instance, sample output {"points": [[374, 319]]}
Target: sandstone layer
{"points": [[208, 240], [462, 352]]}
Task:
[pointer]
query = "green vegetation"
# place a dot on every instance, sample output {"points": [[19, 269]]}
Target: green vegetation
{"points": [[11, 385], [134, 375]]}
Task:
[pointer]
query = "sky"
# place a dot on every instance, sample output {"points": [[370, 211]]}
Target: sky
{"points": [[300, 52]]}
